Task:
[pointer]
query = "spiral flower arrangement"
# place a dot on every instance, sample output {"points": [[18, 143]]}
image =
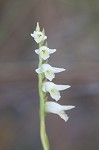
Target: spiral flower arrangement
{"points": [[46, 73]]}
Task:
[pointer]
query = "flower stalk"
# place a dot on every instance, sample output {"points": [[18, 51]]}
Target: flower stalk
{"points": [[43, 134], [47, 72]]}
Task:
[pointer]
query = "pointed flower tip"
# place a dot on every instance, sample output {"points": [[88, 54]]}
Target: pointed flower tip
{"points": [[68, 86], [37, 27], [72, 107], [63, 69], [52, 51], [66, 119], [57, 97], [43, 31], [68, 107], [62, 87], [37, 70], [37, 23], [31, 34]]}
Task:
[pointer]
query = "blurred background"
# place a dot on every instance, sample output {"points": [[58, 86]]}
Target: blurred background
{"points": [[72, 27]]}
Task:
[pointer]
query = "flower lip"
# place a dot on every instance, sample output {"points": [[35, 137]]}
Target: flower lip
{"points": [[53, 107]]}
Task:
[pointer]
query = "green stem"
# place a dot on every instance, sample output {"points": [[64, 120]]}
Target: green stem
{"points": [[44, 138]]}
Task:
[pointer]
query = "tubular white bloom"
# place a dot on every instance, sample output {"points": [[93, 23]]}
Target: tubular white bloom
{"points": [[54, 89], [38, 36], [58, 109], [49, 71], [44, 52]]}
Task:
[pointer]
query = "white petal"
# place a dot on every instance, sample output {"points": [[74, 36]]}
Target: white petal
{"points": [[37, 51], [56, 108], [57, 70], [47, 70], [62, 87], [32, 34], [51, 85], [38, 40], [55, 94], [44, 52], [44, 48], [44, 55], [52, 107], [46, 67], [68, 107], [54, 89], [45, 37], [48, 85], [38, 70], [38, 36], [52, 51], [63, 115], [54, 69], [49, 75]]}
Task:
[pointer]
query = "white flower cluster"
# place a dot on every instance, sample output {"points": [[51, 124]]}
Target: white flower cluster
{"points": [[49, 73]]}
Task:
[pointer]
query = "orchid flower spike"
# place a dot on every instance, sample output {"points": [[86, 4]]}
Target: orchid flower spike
{"points": [[44, 52], [49, 71], [54, 89], [53, 107], [38, 35]]}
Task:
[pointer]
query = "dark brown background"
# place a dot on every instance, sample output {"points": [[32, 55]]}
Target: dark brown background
{"points": [[72, 28]]}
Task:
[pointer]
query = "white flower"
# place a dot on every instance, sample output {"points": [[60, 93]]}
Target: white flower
{"points": [[45, 52], [58, 109], [49, 71], [54, 89], [38, 36]]}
